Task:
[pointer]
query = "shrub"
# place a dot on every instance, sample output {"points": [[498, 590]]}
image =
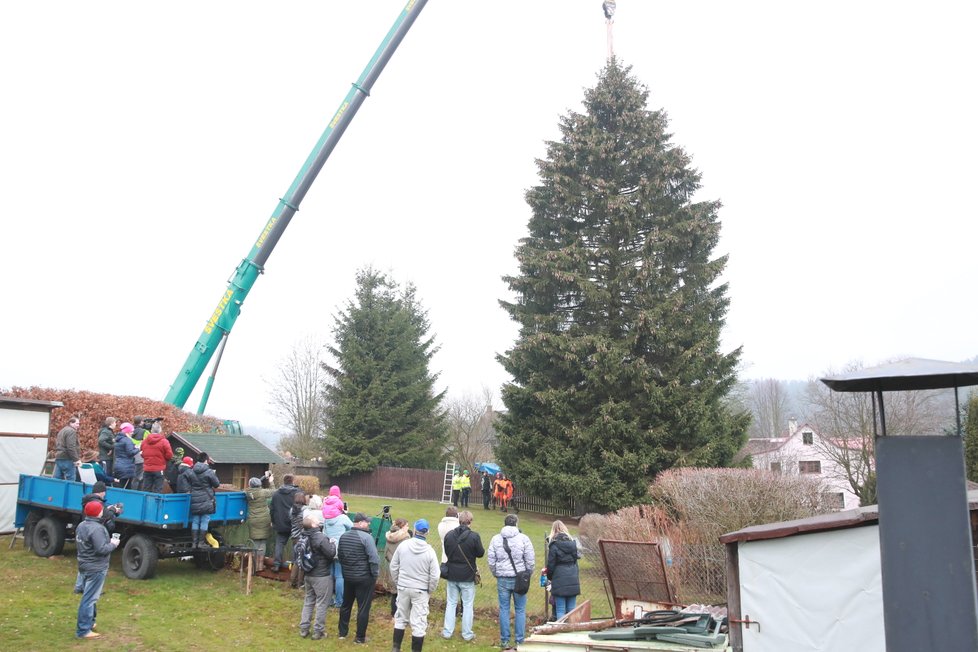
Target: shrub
{"points": [[706, 503], [309, 484], [692, 508]]}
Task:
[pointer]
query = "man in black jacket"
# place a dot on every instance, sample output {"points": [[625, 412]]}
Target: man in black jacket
{"points": [[361, 566], [319, 580], [463, 547], [486, 489], [281, 510]]}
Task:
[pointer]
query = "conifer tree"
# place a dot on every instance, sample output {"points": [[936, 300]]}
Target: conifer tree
{"points": [[617, 368], [382, 407], [971, 438]]}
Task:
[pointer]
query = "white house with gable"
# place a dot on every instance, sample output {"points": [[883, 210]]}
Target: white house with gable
{"points": [[801, 450]]}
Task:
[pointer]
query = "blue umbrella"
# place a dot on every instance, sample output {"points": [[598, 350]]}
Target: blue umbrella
{"points": [[489, 467]]}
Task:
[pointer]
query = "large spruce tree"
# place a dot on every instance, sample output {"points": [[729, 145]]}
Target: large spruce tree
{"points": [[382, 407], [617, 369]]}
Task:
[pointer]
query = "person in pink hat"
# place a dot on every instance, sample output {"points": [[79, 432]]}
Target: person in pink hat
{"points": [[335, 523], [124, 453]]}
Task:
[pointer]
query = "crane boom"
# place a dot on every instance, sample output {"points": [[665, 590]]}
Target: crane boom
{"points": [[228, 308]]}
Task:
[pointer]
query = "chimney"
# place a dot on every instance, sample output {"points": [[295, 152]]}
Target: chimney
{"points": [[792, 426]]}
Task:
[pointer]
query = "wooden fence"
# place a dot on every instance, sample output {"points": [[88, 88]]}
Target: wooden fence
{"points": [[423, 484]]}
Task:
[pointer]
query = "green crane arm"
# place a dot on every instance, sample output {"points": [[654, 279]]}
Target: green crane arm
{"points": [[228, 308]]}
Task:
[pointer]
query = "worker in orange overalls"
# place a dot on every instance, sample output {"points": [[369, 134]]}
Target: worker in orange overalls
{"points": [[505, 494], [497, 490]]}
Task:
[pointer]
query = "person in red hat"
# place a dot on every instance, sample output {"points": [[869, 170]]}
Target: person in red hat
{"points": [[184, 475], [94, 547]]}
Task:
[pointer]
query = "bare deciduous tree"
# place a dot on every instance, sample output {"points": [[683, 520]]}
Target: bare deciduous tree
{"points": [[845, 422], [296, 397], [768, 401], [470, 428]]}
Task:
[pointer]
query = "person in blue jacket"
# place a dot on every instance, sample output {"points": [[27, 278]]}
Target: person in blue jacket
{"points": [[124, 453]]}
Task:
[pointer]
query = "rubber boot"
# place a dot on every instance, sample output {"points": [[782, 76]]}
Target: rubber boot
{"points": [[195, 538], [417, 642], [398, 638]]}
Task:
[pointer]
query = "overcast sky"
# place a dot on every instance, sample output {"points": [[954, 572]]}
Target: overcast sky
{"points": [[143, 146]]}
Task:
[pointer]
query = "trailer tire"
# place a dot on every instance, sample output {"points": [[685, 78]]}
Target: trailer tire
{"points": [[49, 537], [139, 558]]}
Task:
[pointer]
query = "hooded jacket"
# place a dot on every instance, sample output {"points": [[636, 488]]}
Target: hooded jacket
{"points": [[446, 525], [259, 517], [394, 537], [463, 546], [281, 508], [93, 545], [203, 482], [415, 566], [124, 466], [106, 442], [156, 452], [520, 547], [185, 474], [562, 570], [335, 522], [323, 552]]}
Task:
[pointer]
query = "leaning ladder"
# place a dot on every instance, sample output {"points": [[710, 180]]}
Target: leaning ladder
{"points": [[446, 493]]}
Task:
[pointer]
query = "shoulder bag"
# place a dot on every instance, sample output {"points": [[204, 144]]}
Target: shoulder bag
{"points": [[523, 577], [478, 577]]}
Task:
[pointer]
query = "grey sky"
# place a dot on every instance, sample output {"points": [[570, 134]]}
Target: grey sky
{"points": [[144, 145]]}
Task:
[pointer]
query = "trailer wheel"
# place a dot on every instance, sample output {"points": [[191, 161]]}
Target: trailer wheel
{"points": [[139, 558], [49, 537]]}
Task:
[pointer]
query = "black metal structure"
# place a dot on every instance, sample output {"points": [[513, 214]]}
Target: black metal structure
{"points": [[928, 571]]}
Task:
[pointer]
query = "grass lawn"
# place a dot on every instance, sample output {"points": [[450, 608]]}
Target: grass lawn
{"points": [[183, 608]]}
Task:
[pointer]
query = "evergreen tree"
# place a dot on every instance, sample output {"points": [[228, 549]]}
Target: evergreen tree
{"points": [[382, 407], [971, 438], [617, 368]]}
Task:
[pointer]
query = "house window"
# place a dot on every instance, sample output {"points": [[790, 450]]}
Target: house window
{"points": [[776, 467], [833, 500], [239, 476], [812, 466], [807, 438]]}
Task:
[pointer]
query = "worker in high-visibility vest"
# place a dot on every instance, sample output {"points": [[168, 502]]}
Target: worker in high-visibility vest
{"points": [[456, 487], [466, 486]]}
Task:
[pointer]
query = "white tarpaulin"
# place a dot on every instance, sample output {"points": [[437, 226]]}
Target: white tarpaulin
{"points": [[23, 449], [820, 591]]}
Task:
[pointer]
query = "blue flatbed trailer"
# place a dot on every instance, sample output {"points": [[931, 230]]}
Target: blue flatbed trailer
{"points": [[152, 525]]}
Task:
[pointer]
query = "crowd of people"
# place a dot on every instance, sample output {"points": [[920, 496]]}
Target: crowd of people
{"points": [[335, 557], [336, 560], [136, 456]]}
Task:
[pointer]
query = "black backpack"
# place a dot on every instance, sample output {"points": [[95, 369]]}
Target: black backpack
{"points": [[303, 553]]}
